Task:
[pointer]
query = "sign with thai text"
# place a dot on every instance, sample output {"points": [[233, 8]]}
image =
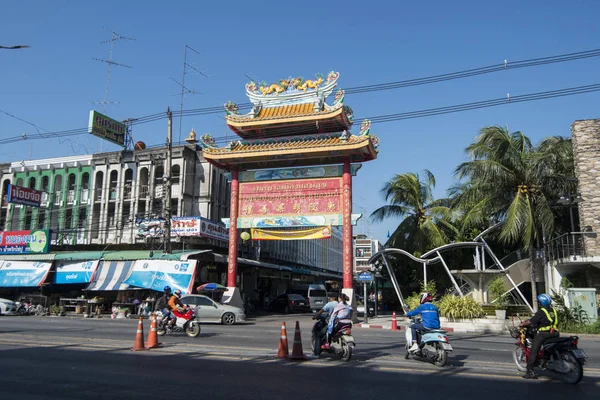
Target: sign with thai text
{"points": [[107, 128], [302, 234], [198, 226], [24, 242], [23, 273], [156, 274], [291, 197], [22, 195], [75, 271]]}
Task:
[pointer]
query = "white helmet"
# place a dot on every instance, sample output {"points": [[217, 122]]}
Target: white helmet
{"points": [[177, 293]]}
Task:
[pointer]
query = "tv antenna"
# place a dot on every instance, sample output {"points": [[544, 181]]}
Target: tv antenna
{"points": [[115, 36], [184, 89]]}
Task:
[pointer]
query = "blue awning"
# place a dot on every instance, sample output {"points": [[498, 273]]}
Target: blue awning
{"points": [[111, 275]]}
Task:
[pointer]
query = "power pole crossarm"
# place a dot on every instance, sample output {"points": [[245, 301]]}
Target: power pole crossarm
{"points": [[167, 202]]}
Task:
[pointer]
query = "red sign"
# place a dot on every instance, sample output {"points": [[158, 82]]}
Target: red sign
{"points": [[291, 197], [23, 195]]}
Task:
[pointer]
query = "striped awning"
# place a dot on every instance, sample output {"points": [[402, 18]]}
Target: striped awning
{"points": [[110, 276]]}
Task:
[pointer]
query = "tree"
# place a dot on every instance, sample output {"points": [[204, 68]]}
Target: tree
{"points": [[427, 222], [513, 182]]}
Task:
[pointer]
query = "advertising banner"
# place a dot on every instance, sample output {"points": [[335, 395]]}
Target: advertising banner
{"points": [[198, 226], [156, 274], [290, 198], [23, 273], [25, 242], [323, 232], [75, 271], [22, 195], [107, 128]]}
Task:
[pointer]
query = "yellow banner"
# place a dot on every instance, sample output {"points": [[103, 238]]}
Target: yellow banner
{"points": [[321, 232]]}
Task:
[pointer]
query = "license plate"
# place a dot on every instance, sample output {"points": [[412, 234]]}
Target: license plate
{"points": [[300, 304], [579, 353], [447, 347], [348, 338]]}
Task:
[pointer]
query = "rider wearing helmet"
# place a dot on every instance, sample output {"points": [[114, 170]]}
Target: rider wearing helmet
{"points": [[175, 303], [430, 318], [162, 303], [545, 321]]}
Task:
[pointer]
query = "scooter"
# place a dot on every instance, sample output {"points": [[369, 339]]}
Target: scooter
{"points": [[186, 322], [342, 342], [434, 345], [559, 355]]}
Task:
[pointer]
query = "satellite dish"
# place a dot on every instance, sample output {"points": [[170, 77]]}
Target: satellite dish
{"points": [[140, 146]]}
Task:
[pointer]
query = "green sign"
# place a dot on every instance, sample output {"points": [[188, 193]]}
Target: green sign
{"points": [[107, 128]]}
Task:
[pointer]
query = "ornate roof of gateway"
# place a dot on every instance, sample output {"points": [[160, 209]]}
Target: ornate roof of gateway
{"points": [[291, 107], [314, 149]]}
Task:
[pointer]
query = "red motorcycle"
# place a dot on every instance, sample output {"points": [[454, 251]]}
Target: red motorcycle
{"points": [[559, 355], [185, 322]]}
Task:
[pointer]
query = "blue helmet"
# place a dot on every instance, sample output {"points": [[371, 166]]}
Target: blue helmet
{"points": [[167, 288], [544, 300]]}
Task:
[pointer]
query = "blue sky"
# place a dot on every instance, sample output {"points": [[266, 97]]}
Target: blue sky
{"points": [[53, 83]]}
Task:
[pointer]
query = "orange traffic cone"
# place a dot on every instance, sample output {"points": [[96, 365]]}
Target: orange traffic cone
{"points": [[153, 336], [297, 352], [283, 343], [139, 337], [394, 323]]}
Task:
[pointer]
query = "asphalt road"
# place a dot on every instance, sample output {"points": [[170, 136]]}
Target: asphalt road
{"points": [[74, 358]]}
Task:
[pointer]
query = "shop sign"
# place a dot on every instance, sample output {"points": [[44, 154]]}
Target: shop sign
{"points": [[76, 271], [323, 232], [198, 226], [23, 195], [25, 242], [23, 273], [107, 128], [156, 274]]}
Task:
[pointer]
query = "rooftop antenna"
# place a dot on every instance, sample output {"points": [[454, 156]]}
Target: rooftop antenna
{"points": [[114, 37], [184, 89]]}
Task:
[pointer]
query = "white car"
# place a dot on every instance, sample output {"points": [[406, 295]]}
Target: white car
{"points": [[7, 307], [208, 310]]}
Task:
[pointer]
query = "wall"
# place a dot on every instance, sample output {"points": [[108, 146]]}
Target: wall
{"points": [[586, 154]]}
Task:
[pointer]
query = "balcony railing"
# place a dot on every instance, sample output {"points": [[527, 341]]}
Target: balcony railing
{"points": [[85, 195], [569, 245], [144, 191], [127, 190], [70, 196], [57, 197]]}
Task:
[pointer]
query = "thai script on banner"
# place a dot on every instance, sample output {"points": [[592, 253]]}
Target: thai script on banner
{"points": [[76, 271], [25, 242], [156, 274], [323, 232], [23, 195], [23, 273], [182, 227]]}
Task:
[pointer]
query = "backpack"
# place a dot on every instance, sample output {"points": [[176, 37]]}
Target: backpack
{"points": [[162, 302]]}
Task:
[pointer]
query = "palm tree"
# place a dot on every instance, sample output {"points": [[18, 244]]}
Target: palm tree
{"points": [[426, 222], [513, 182]]}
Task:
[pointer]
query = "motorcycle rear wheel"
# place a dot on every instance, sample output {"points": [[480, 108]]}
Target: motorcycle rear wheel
{"points": [[193, 329], [520, 359], [574, 376], [316, 346], [346, 353], [441, 357]]}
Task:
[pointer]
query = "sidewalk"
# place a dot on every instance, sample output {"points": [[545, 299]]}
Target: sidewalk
{"points": [[479, 325]]}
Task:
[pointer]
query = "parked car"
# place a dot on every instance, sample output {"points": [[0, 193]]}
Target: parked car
{"points": [[290, 303], [208, 310], [7, 307], [315, 294]]}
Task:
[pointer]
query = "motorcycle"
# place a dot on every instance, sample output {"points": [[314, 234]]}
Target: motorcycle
{"points": [[25, 308], [186, 322], [559, 355], [342, 341], [434, 345]]}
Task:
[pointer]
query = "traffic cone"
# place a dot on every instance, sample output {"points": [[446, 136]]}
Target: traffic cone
{"points": [[139, 337], [297, 352], [283, 343], [153, 336], [394, 323]]}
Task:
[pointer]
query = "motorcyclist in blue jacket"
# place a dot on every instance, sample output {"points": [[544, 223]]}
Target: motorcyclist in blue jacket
{"points": [[430, 318]]}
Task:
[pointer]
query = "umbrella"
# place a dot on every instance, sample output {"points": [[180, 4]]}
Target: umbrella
{"points": [[211, 287]]}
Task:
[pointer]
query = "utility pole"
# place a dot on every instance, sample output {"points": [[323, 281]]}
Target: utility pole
{"points": [[167, 179]]}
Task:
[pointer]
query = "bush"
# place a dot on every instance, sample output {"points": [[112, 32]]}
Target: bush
{"points": [[456, 307], [413, 301], [497, 292], [574, 319]]}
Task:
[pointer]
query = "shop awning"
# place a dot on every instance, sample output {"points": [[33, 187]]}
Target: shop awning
{"points": [[156, 274], [23, 273], [111, 275], [68, 272]]}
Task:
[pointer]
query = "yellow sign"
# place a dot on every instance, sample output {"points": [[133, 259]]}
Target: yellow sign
{"points": [[321, 232]]}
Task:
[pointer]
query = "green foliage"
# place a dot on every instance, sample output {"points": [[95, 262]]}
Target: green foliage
{"points": [[456, 307], [55, 309], [413, 300], [498, 294], [574, 319], [565, 283]]}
